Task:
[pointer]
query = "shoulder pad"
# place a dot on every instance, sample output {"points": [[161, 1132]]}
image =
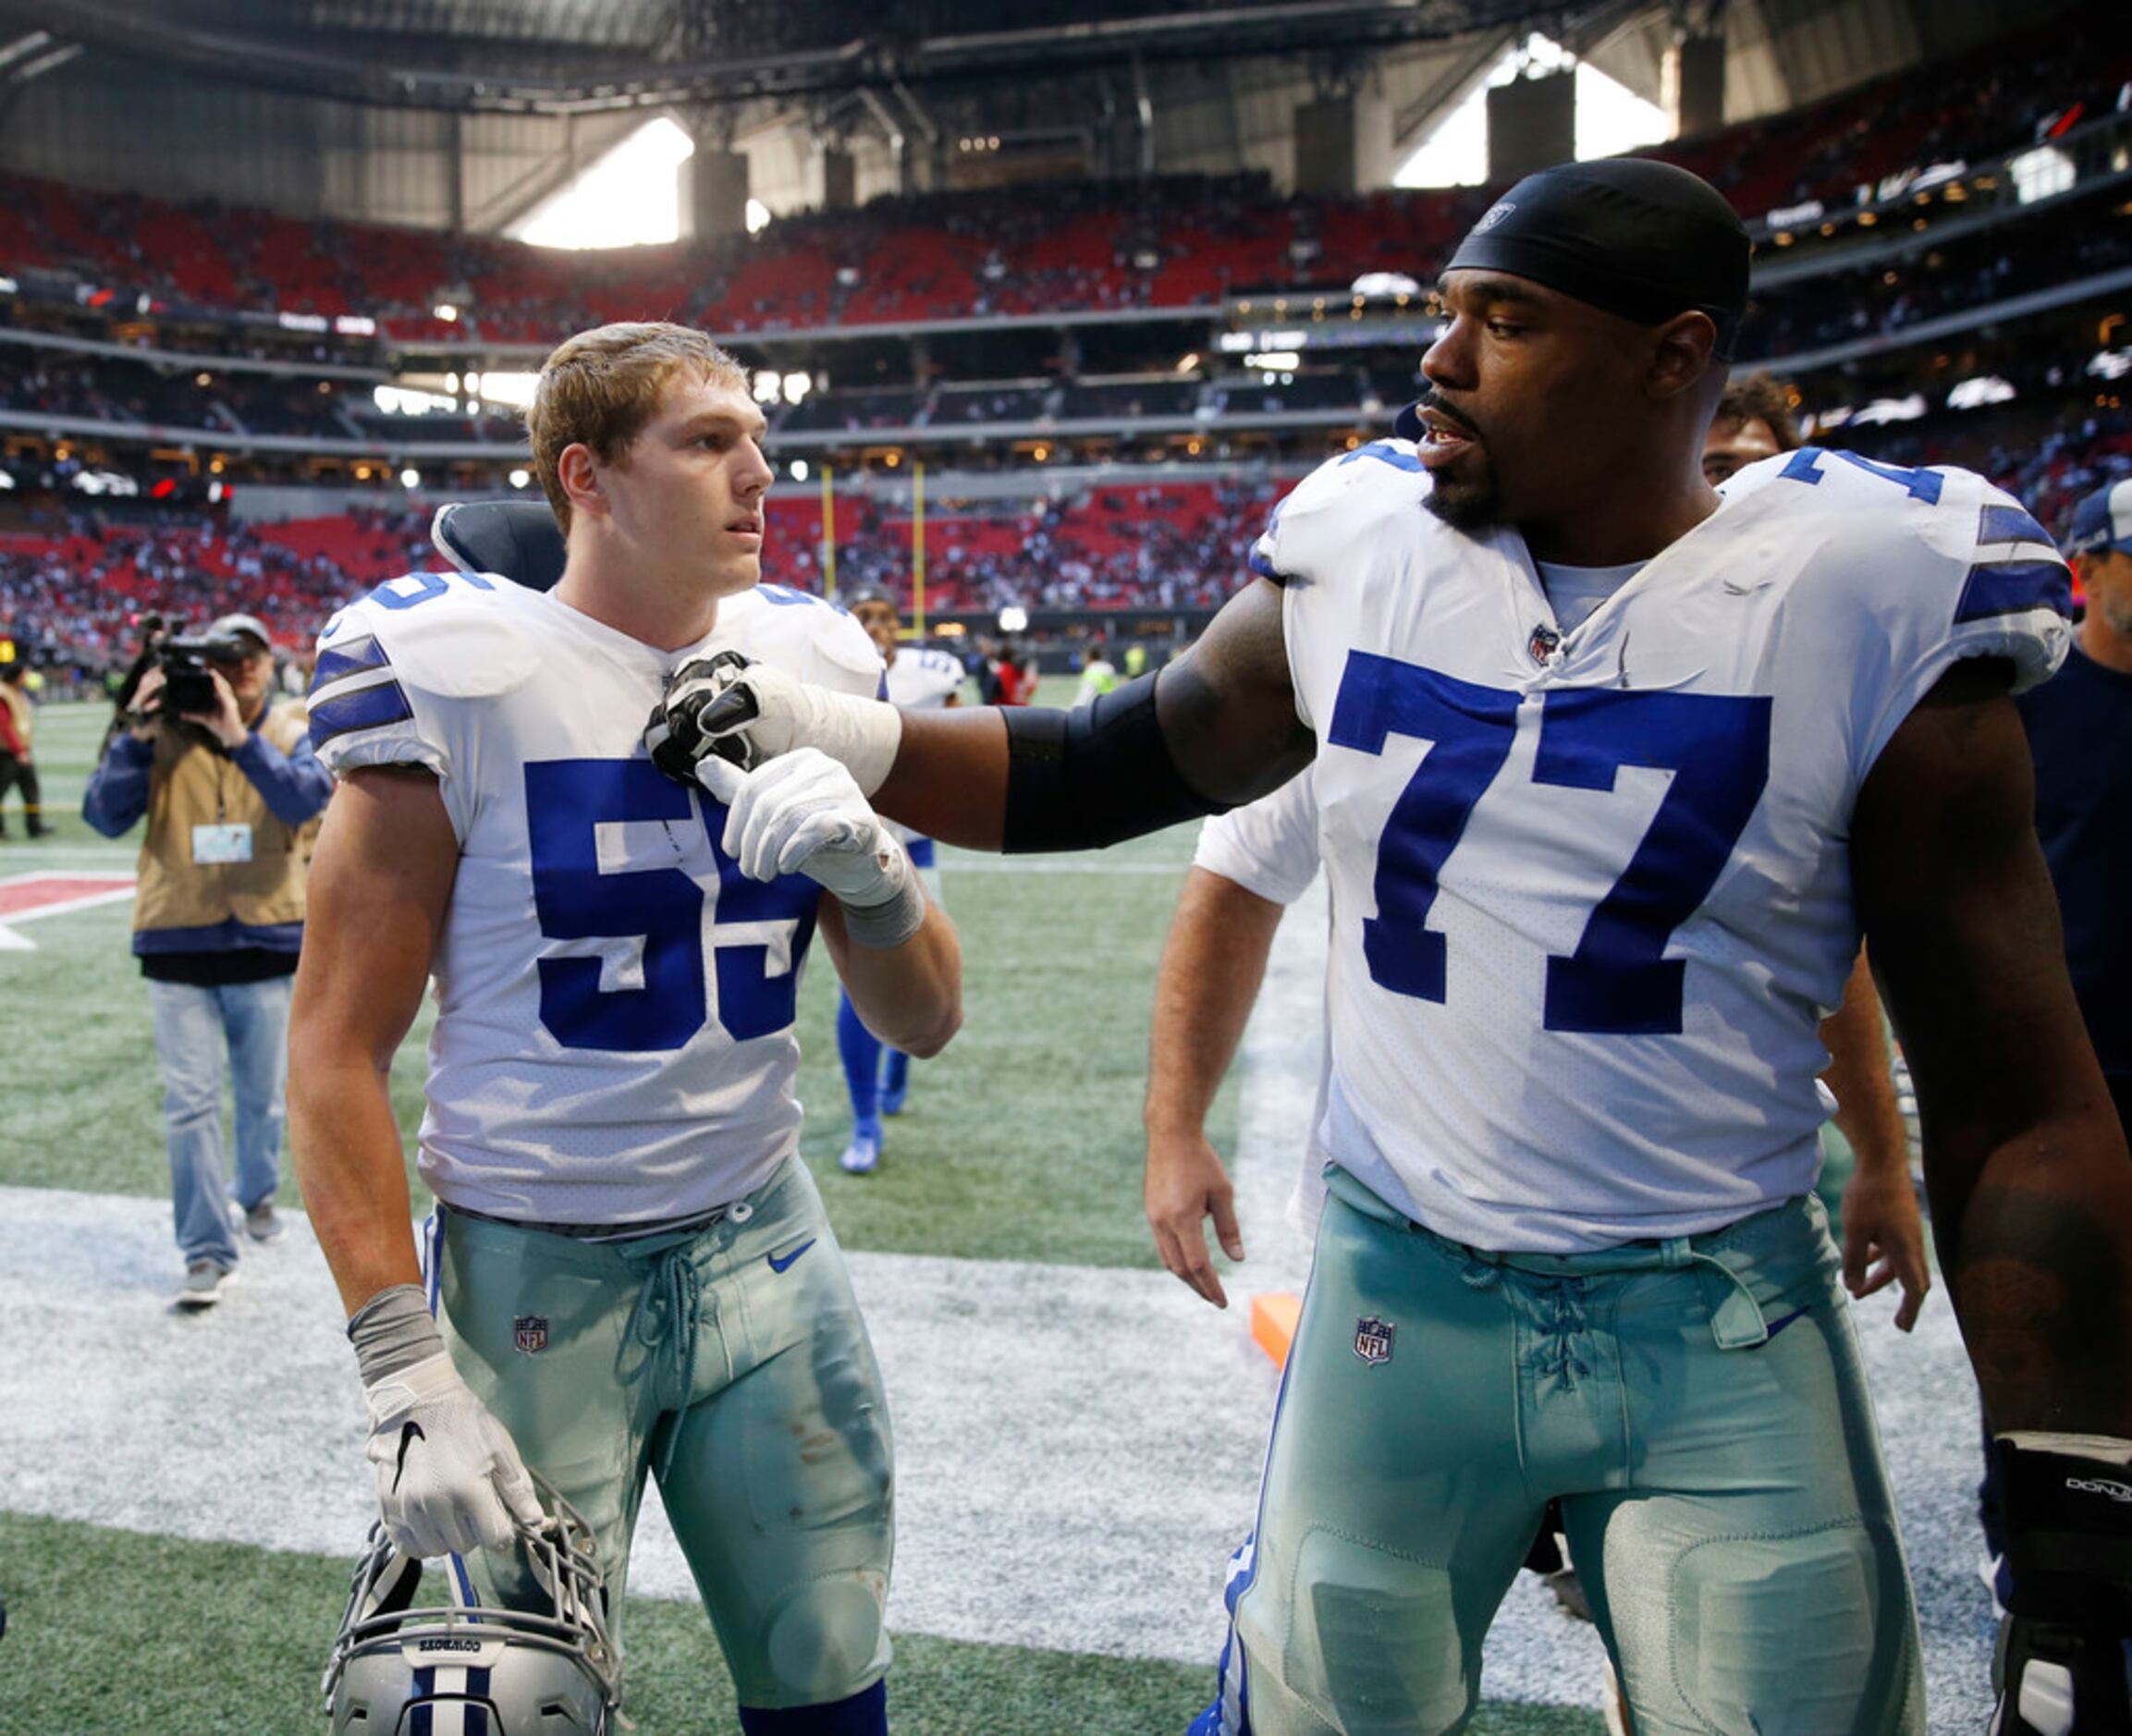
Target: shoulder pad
{"points": [[805, 635], [455, 635], [1343, 500]]}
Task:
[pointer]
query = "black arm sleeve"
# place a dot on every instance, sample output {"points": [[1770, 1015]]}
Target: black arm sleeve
{"points": [[1092, 776]]}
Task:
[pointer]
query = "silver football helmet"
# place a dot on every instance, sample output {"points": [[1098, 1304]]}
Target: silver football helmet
{"points": [[398, 1665]]}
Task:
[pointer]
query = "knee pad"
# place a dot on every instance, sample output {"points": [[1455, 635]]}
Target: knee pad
{"points": [[825, 1637], [1372, 1643], [1807, 1631]]}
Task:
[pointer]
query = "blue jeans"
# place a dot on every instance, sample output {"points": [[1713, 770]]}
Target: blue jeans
{"points": [[192, 1026]]}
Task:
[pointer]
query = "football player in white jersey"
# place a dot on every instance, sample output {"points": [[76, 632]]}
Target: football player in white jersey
{"points": [[1613, 772], [922, 677], [628, 1268]]}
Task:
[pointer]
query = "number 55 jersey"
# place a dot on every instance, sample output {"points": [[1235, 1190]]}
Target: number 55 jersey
{"points": [[614, 1038], [1592, 890]]}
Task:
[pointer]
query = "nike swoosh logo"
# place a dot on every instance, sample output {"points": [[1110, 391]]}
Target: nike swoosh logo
{"points": [[408, 1434], [785, 1265]]}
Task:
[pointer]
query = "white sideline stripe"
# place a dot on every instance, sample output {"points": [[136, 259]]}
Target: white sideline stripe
{"points": [[120, 888], [1077, 1450]]}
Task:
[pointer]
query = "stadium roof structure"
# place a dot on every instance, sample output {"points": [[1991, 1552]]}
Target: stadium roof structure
{"points": [[562, 57], [464, 114]]}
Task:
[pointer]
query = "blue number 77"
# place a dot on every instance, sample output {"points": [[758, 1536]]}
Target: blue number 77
{"points": [[1618, 980]]}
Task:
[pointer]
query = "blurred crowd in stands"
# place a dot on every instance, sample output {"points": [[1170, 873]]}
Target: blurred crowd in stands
{"points": [[75, 591], [1166, 240]]}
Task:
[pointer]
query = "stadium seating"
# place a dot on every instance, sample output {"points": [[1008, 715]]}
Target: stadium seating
{"points": [[1168, 241]]}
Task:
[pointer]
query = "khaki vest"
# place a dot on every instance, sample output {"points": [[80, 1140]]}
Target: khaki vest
{"points": [[191, 785]]}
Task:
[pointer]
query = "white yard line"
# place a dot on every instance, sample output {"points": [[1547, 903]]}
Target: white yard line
{"points": [[1077, 1447]]}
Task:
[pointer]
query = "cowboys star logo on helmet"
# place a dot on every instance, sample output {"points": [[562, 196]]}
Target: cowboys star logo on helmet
{"points": [[465, 1668]]}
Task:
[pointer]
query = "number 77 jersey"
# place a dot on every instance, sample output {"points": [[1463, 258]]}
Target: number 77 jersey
{"points": [[1591, 892], [614, 1040]]}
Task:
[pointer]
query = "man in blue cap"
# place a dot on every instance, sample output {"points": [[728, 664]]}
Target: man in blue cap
{"points": [[2079, 727]]}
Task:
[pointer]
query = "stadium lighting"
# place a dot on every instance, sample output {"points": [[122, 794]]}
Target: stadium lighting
{"points": [[446, 311], [797, 386], [519, 478], [757, 217], [1274, 360], [2040, 173], [798, 470], [1013, 619], [1985, 388], [410, 478], [513, 390], [1893, 409]]}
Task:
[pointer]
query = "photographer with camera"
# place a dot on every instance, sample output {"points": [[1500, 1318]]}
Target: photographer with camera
{"points": [[232, 792]]}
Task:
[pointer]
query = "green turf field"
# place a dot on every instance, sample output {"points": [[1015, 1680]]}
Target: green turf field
{"points": [[1021, 1142], [141, 1636]]}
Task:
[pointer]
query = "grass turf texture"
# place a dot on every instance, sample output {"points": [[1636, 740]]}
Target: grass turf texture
{"points": [[1020, 1142], [111, 1633]]}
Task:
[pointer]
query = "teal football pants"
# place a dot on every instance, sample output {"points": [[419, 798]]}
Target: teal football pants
{"points": [[731, 1363], [1698, 1406]]}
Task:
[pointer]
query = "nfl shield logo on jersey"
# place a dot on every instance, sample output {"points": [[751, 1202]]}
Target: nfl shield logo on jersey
{"points": [[530, 1331], [1372, 1338]]}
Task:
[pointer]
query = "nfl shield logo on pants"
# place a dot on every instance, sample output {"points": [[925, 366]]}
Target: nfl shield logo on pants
{"points": [[1372, 1338], [531, 1332]]}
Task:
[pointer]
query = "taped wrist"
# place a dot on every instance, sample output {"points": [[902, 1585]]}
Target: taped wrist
{"points": [[2068, 1518], [889, 921], [393, 1330], [1092, 776]]}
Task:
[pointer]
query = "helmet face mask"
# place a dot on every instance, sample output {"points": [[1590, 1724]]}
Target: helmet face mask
{"points": [[479, 1669]]}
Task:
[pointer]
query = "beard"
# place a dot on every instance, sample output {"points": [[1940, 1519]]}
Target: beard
{"points": [[1465, 505]]}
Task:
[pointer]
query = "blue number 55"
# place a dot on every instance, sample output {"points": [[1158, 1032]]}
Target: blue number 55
{"points": [[567, 800]]}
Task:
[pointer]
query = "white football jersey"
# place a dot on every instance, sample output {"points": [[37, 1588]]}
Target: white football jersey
{"points": [[1592, 892], [1267, 847], [614, 1040], [922, 678]]}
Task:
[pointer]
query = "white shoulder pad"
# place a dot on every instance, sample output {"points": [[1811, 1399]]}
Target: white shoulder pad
{"points": [[1347, 499], [1926, 567], [386, 661], [804, 636]]}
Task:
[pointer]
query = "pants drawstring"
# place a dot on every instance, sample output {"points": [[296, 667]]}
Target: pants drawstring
{"points": [[667, 1313]]}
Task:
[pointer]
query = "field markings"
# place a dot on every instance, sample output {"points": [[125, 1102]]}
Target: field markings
{"points": [[1077, 1447], [24, 898]]}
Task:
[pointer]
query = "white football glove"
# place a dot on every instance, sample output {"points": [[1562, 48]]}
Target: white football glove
{"points": [[449, 1477], [749, 713], [804, 813]]}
